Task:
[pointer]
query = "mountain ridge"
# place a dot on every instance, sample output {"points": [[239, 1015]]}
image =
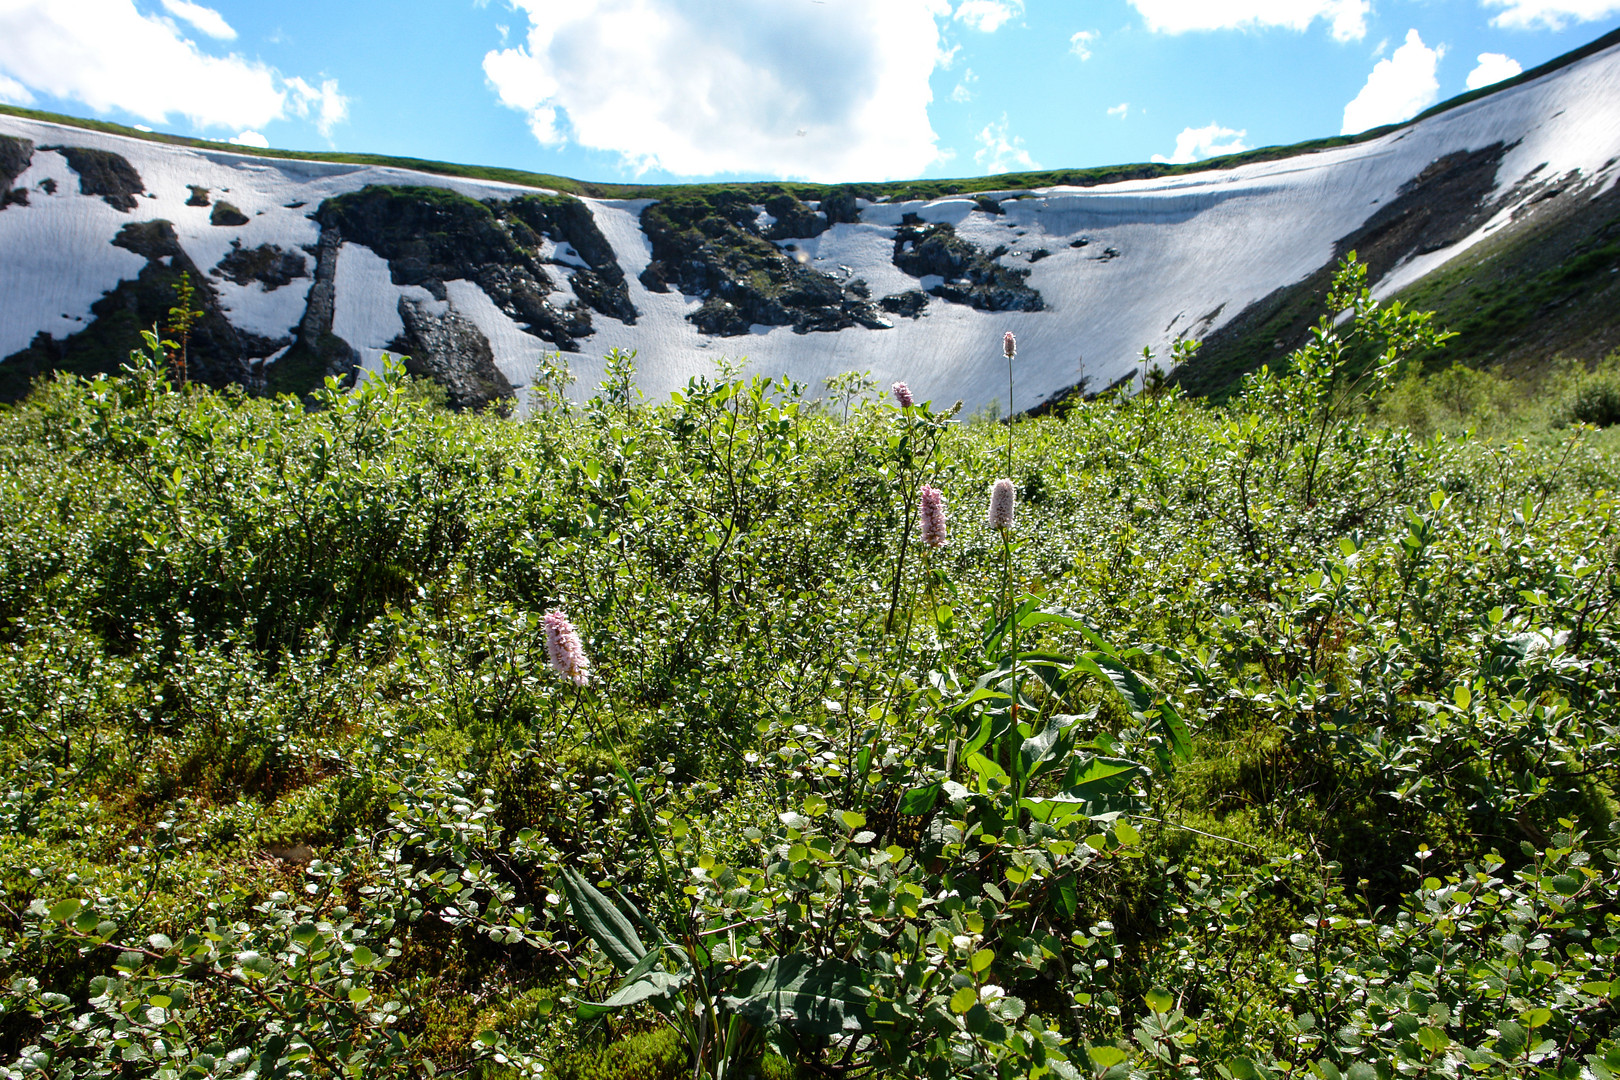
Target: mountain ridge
{"points": [[310, 267]]}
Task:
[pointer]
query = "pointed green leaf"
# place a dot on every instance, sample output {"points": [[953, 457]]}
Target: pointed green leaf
{"points": [[812, 997], [603, 921]]}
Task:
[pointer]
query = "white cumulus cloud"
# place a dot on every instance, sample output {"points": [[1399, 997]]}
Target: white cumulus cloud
{"points": [[1001, 152], [1400, 87], [1550, 14], [829, 91], [1492, 68], [989, 15], [13, 92], [1122, 110], [251, 138], [1196, 144], [205, 19], [1348, 18], [107, 55], [1080, 43]]}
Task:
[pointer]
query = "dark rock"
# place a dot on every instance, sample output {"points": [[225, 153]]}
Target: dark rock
{"points": [[431, 235], [565, 219], [794, 220], [1080, 243], [104, 173], [267, 264], [199, 195], [1108, 254], [16, 196], [972, 276], [910, 303], [985, 204], [48, 185], [1038, 254], [225, 213], [15, 157], [839, 207], [707, 245], [453, 352], [219, 354], [317, 352]]}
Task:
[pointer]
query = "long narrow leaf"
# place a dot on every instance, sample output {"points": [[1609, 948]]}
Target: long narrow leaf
{"points": [[603, 921]]}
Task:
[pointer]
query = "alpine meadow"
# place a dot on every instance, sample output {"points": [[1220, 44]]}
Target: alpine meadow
{"points": [[430, 648]]}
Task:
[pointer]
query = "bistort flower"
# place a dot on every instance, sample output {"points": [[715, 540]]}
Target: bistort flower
{"points": [[1009, 345], [1001, 505], [931, 516], [564, 649], [902, 394]]}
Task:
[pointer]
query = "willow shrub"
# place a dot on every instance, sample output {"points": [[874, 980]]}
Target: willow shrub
{"points": [[1269, 740]]}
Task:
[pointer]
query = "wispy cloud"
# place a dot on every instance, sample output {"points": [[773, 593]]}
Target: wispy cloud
{"points": [[1550, 14], [963, 92], [1000, 151], [989, 15], [1348, 18], [1122, 110], [1398, 88], [1196, 144], [1080, 43], [204, 19]]}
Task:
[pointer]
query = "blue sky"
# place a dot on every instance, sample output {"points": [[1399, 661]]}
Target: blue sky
{"points": [[832, 90]]}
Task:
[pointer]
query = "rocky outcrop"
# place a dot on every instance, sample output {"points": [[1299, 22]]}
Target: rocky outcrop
{"points": [[267, 264], [430, 235], [910, 303], [793, 220], [566, 220], [453, 352], [219, 353], [199, 195], [1444, 203], [316, 352], [709, 245], [972, 275], [226, 214], [15, 157], [103, 173]]}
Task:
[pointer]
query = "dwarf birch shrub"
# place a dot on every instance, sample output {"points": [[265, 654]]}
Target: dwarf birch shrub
{"points": [[1269, 739]]}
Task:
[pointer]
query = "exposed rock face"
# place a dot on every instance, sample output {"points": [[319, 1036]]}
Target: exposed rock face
{"points": [[219, 353], [15, 157], [909, 303], [1437, 208], [452, 351], [225, 213], [794, 220], [972, 276], [199, 195], [564, 219], [267, 264], [317, 352], [104, 173], [430, 236], [709, 246]]}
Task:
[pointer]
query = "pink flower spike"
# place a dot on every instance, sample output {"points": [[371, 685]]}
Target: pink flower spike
{"points": [[1001, 505], [931, 516], [1009, 345], [902, 394], [564, 649]]}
